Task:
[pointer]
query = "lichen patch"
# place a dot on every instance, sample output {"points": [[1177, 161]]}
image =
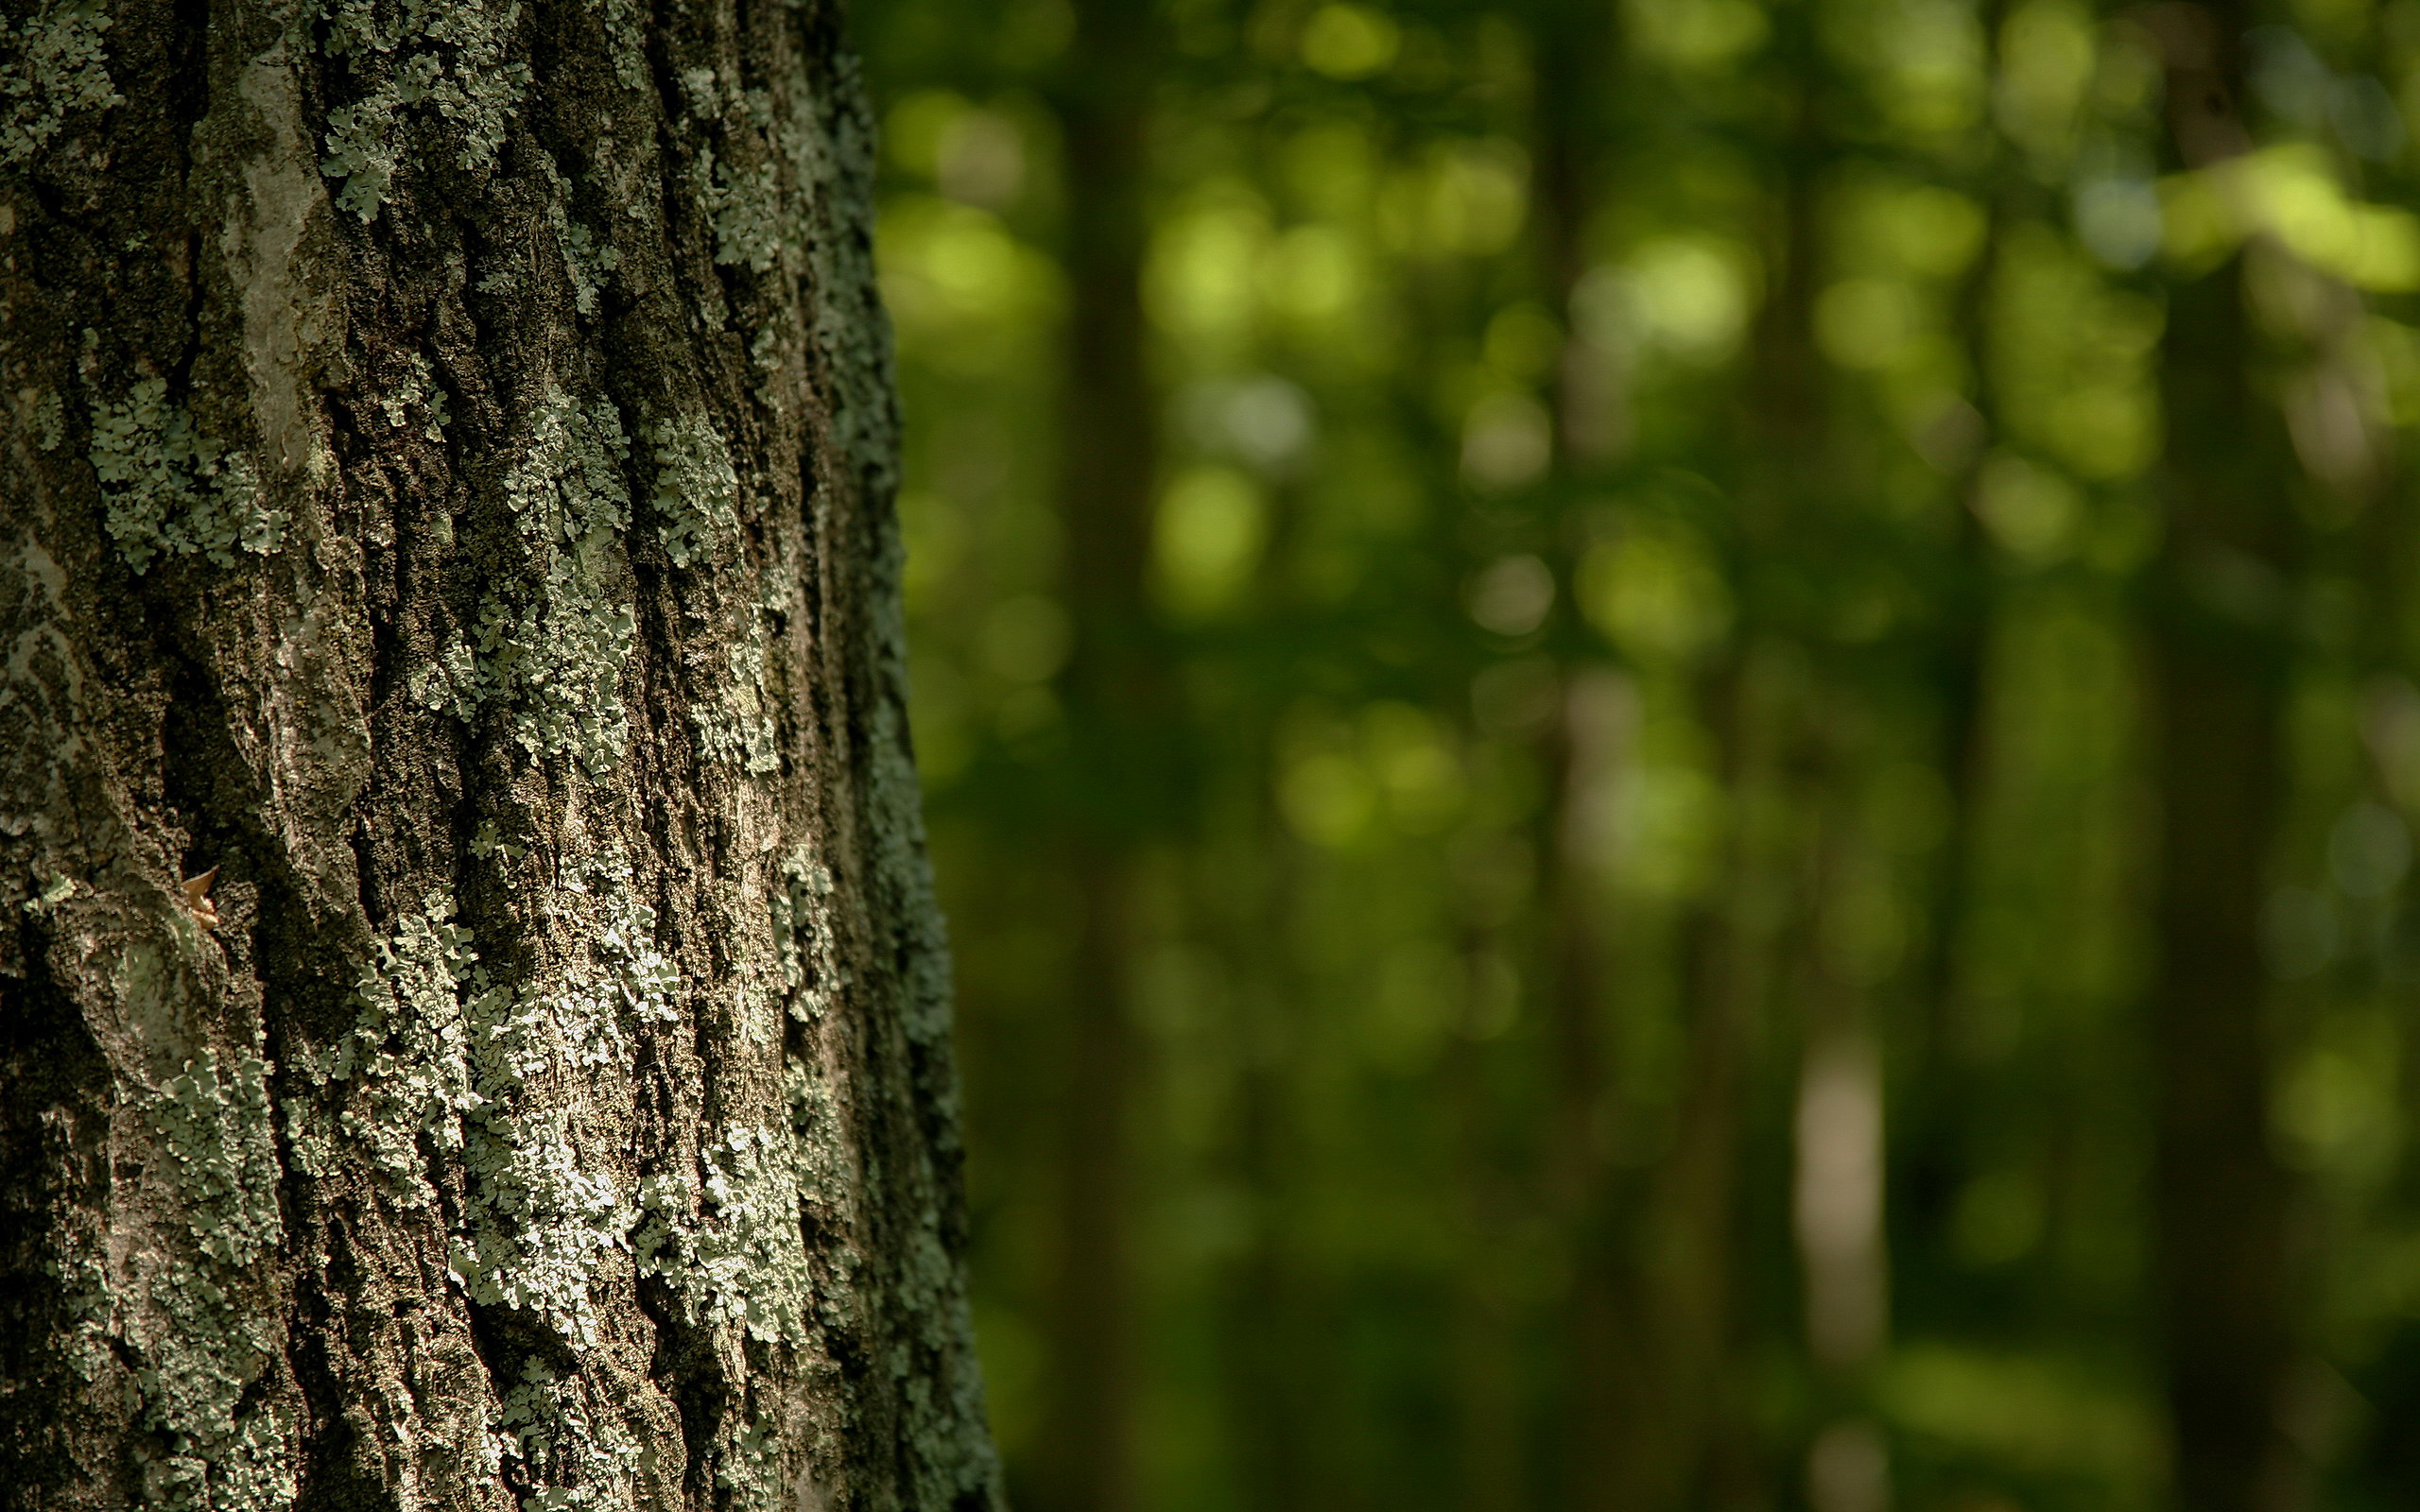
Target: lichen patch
{"points": [[170, 490], [552, 652], [223, 1155], [52, 66], [445, 1060], [437, 72]]}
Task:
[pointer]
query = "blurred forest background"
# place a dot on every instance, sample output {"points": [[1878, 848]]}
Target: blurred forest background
{"points": [[1673, 743]]}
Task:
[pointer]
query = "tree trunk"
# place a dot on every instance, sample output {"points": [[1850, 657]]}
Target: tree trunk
{"points": [[1108, 463], [1575, 48], [2219, 654], [477, 1026]]}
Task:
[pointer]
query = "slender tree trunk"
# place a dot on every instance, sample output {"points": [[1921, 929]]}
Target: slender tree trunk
{"points": [[1574, 63], [1277, 1336], [2219, 669], [1606, 1357], [475, 1027], [1280, 1395], [1108, 462], [1487, 1386], [1837, 1125], [1690, 1276], [1932, 1112], [1836, 1201]]}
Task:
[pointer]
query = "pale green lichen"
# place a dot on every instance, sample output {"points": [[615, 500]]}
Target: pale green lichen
{"points": [[739, 732], [169, 491], [199, 1349], [626, 41], [703, 90], [553, 654], [408, 1051], [550, 650], [752, 1470], [737, 1260], [728, 1238], [489, 844], [590, 263], [544, 1423], [765, 351], [540, 1228], [423, 65], [418, 394], [56, 891], [725, 1230], [804, 940], [256, 1470], [193, 1384], [540, 1223], [441, 1053], [697, 493], [766, 354], [827, 141], [50, 422], [449, 684], [626, 967], [745, 206], [51, 66], [827, 1182], [224, 1155]]}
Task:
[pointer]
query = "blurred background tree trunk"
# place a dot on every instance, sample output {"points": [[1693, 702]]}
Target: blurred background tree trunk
{"points": [[1579, 749], [476, 1028], [1108, 464], [2220, 666]]}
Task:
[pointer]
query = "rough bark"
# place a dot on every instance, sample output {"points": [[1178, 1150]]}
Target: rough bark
{"points": [[475, 1026]]}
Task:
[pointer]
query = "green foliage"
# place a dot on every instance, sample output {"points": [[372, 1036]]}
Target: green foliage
{"points": [[1630, 587]]}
